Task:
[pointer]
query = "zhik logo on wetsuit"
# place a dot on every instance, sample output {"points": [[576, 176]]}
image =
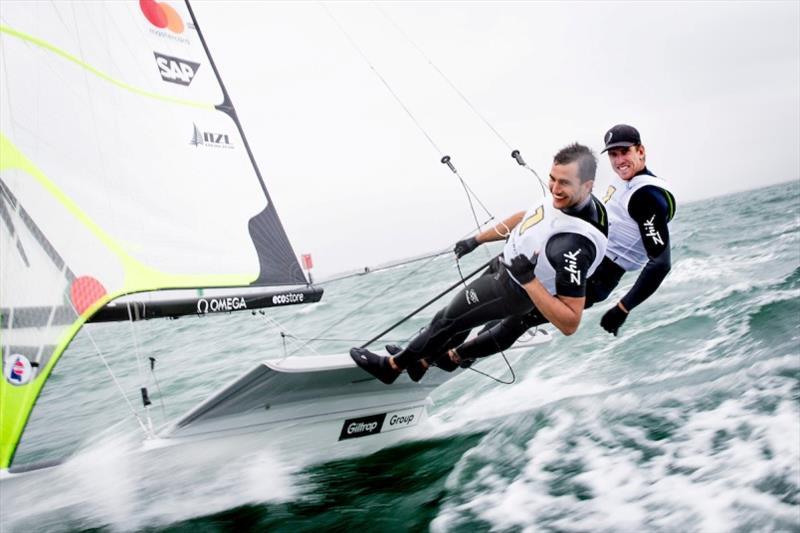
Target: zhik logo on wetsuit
{"points": [[652, 232], [175, 69], [571, 258]]}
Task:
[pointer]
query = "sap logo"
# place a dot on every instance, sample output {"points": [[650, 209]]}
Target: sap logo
{"points": [[207, 138], [361, 427], [291, 298], [216, 305], [175, 69], [18, 370], [571, 259], [650, 226]]}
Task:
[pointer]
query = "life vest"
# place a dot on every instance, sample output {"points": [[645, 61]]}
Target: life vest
{"points": [[530, 237], [625, 246]]}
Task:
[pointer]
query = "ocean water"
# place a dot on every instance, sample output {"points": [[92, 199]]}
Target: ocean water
{"points": [[689, 421]]}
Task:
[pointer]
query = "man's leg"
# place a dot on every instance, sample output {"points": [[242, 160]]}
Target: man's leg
{"points": [[499, 337], [487, 298]]}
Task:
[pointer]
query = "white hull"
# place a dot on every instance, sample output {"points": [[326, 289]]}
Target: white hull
{"points": [[321, 405], [328, 392]]}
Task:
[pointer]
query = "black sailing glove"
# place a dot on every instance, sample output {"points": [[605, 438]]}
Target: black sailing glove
{"points": [[613, 319], [523, 269], [464, 247]]}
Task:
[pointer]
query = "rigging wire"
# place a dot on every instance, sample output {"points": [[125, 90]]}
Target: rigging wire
{"points": [[133, 317], [514, 152], [140, 368], [373, 298], [147, 431], [422, 264], [445, 159]]}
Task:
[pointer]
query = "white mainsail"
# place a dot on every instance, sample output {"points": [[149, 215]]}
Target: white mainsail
{"points": [[123, 168]]}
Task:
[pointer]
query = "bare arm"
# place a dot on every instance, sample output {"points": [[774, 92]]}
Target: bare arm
{"points": [[501, 230], [564, 312], [571, 255]]}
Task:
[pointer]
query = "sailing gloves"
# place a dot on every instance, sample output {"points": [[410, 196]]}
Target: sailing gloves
{"points": [[464, 247], [523, 269], [613, 319]]}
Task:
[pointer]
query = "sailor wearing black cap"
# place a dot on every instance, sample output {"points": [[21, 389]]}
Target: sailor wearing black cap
{"points": [[551, 251], [640, 206]]}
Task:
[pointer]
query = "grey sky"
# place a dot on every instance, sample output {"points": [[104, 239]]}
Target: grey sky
{"points": [[712, 86]]}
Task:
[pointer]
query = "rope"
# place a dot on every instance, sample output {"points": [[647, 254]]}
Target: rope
{"points": [[510, 368], [376, 296], [442, 74], [383, 80], [444, 158]]}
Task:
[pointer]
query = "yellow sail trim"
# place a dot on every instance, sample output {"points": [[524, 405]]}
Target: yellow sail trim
{"points": [[47, 46], [138, 276], [16, 402]]}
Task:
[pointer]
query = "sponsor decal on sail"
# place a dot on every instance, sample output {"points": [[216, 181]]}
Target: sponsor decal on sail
{"points": [[210, 139], [175, 69], [18, 370], [165, 21]]}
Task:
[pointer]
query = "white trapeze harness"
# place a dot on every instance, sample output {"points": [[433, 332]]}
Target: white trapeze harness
{"points": [[531, 235], [625, 246]]}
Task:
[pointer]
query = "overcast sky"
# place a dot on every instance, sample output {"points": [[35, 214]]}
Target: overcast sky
{"points": [[713, 88]]}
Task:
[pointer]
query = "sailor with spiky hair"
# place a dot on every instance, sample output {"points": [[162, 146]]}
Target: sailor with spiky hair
{"points": [[550, 252], [640, 206]]}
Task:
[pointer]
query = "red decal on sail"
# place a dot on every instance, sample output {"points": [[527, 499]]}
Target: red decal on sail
{"points": [[152, 11], [84, 292], [161, 15]]}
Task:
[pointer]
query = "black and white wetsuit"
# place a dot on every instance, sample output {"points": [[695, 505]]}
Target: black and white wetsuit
{"points": [[639, 212], [569, 245]]}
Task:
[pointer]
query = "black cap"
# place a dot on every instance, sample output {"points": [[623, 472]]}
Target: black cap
{"points": [[621, 135]]}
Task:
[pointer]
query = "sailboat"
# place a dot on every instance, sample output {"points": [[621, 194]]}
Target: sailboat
{"points": [[119, 184]]}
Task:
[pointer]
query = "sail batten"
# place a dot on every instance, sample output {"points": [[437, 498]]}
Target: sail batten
{"points": [[123, 169]]}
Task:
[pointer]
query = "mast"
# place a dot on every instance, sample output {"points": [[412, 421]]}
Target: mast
{"points": [[123, 169]]}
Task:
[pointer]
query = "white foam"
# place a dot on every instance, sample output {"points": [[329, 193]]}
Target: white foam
{"points": [[706, 476], [113, 485]]}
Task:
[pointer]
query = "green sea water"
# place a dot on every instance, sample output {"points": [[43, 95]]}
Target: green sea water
{"points": [[688, 421]]}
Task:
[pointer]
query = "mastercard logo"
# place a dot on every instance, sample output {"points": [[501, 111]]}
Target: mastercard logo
{"points": [[162, 15]]}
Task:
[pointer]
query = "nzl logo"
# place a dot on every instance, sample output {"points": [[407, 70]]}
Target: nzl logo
{"points": [[571, 259], [652, 232], [207, 138], [175, 69]]}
